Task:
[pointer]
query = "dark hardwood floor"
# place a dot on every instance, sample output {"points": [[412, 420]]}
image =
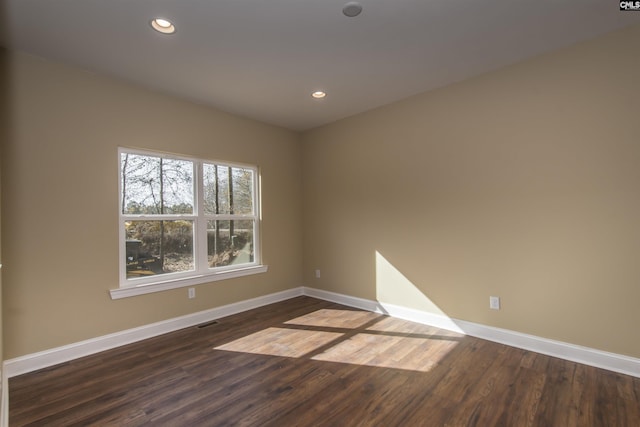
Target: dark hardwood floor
{"points": [[306, 362]]}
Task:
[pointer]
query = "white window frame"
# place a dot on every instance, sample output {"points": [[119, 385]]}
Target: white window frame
{"points": [[202, 273]]}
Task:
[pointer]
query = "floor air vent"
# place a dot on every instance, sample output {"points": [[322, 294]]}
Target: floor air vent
{"points": [[204, 325]]}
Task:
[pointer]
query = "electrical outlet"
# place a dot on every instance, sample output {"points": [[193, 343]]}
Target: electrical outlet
{"points": [[317, 274], [192, 293], [494, 303]]}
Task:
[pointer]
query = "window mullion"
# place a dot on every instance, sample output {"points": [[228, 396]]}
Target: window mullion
{"points": [[165, 217], [200, 245], [227, 217]]}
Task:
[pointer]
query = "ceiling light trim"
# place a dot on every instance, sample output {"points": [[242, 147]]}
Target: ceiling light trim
{"points": [[163, 26]]}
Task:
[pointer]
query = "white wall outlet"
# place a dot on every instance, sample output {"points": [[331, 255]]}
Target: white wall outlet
{"points": [[317, 274], [494, 303], [192, 293]]}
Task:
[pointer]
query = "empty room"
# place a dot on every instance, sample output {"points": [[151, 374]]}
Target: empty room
{"points": [[319, 213]]}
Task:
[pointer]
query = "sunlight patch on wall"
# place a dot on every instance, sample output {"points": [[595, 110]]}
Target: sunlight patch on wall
{"points": [[393, 287], [400, 298]]}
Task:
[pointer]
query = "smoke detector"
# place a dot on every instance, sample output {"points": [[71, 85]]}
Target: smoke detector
{"points": [[352, 9]]}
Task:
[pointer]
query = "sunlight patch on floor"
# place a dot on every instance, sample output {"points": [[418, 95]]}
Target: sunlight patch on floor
{"points": [[281, 342], [353, 337], [331, 318], [415, 354], [400, 326]]}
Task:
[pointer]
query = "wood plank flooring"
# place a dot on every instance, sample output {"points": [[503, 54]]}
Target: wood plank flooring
{"points": [[306, 362]]}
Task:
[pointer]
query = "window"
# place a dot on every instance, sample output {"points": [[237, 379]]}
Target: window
{"points": [[185, 221]]}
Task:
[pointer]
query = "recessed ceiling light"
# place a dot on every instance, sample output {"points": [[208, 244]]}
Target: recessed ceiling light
{"points": [[352, 9], [318, 94], [163, 26]]}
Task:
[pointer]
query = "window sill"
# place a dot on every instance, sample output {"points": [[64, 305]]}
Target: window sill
{"points": [[132, 291]]}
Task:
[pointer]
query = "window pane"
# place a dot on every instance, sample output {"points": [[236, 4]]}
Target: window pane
{"points": [[155, 185], [228, 190], [242, 191], [211, 190], [230, 242], [157, 247]]}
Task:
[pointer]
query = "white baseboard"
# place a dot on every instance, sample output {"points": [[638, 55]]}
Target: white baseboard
{"points": [[4, 397], [361, 303], [588, 356], [43, 359], [575, 353]]}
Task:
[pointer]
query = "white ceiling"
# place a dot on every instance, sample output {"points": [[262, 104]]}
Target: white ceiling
{"points": [[262, 58]]}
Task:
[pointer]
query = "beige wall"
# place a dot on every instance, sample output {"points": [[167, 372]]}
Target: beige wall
{"points": [[59, 206], [4, 397], [4, 114], [523, 183]]}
